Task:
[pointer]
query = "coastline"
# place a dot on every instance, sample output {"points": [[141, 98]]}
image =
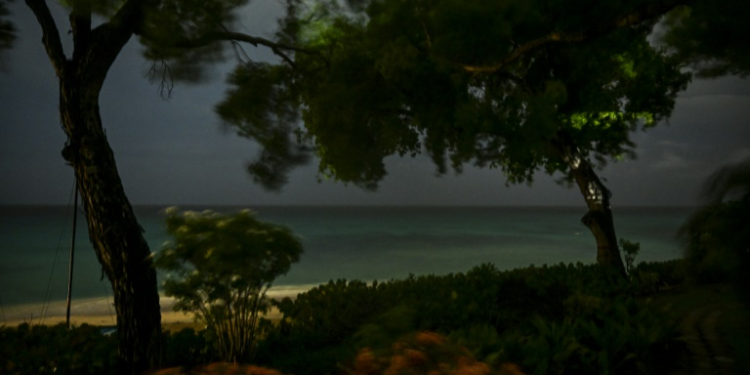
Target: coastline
{"points": [[101, 312]]}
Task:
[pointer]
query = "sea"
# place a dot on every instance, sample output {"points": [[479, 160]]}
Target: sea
{"points": [[364, 243]]}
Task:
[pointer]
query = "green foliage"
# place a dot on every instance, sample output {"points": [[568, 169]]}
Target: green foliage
{"points": [[181, 33], [188, 348], [106, 8], [630, 249], [716, 242], [391, 78], [38, 349], [716, 238], [485, 310], [264, 98], [617, 336], [224, 266], [709, 37]]}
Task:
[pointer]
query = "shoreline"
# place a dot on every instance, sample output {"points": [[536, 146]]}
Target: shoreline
{"points": [[101, 312]]}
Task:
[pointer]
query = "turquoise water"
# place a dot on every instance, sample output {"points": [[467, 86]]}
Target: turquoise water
{"points": [[340, 242]]}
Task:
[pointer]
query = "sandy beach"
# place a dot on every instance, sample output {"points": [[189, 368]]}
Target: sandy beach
{"points": [[98, 311]]}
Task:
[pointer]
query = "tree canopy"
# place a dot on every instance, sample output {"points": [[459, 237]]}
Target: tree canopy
{"points": [[522, 86], [710, 36], [493, 84]]}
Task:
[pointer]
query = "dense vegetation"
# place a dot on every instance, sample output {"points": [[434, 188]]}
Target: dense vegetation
{"points": [[558, 319], [224, 265]]}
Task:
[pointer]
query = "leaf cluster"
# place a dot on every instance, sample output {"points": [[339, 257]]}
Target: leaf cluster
{"points": [[264, 99], [716, 238], [597, 336], [403, 77], [38, 349], [326, 326], [224, 265], [188, 348], [179, 32], [709, 36], [213, 255], [106, 8]]}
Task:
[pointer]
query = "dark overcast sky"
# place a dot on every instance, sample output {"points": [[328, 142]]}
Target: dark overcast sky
{"points": [[174, 152]]}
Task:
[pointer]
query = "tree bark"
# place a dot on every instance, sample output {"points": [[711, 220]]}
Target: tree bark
{"points": [[599, 217], [114, 232]]}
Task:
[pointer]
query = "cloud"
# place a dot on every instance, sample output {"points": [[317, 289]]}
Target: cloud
{"points": [[669, 161]]}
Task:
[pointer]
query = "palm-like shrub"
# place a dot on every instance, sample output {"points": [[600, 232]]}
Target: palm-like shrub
{"points": [[220, 268], [717, 237]]}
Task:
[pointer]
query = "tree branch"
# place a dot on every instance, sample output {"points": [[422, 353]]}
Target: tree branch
{"points": [[278, 49], [646, 12], [108, 39], [50, 34]]}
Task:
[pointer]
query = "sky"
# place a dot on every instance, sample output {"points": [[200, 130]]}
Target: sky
{"points": [[176, 152]]}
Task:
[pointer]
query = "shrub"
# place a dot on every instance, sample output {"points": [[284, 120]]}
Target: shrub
{"points": [[532, 316], [630, 250], [42, 349], [219, 368], [225, 265], [420, 353], [188, 348], [716, 242]]}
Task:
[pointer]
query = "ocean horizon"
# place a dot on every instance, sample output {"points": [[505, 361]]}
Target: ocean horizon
{"points": [[340, 242]]}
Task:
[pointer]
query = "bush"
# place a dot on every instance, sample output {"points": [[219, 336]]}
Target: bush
{"points": [[488, 311], [225, 265], [42, 349], [716, 241], [420, 353], [597, 336], [219, 368], [188, 348]]}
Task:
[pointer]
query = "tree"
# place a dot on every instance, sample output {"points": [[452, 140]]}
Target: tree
{"points": [[225, 265], [709, 36], [516, 85], [187, 35]]}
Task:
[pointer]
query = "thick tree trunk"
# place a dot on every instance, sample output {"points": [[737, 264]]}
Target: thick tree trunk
{"points": [[599, 218], [113, 229]]}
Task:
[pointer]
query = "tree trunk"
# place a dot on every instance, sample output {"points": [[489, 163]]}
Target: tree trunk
{"points": [[599, 218], [113, 229]]}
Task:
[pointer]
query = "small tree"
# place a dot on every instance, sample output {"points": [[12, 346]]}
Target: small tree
{"points": [[224, 266]]}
